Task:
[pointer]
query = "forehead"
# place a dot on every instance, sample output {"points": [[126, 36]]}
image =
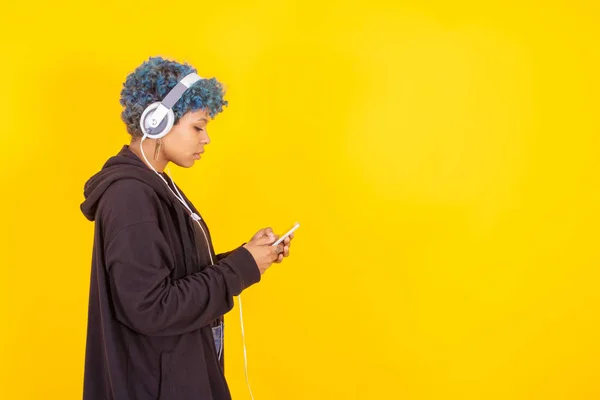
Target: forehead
{"points": [[198, 116]]}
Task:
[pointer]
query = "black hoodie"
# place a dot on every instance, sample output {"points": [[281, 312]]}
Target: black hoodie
{"points": [[153, 292]]}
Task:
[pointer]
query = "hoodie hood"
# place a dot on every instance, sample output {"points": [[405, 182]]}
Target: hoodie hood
{"points": [[124, 165]]}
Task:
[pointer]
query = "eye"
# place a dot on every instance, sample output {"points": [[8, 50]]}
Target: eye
{"points": [[198, 129]]}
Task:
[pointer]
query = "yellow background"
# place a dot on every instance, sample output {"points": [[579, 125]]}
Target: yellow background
{"points": [[441, 157]]}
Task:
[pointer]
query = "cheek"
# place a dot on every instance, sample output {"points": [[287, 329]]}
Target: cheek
{"points": [[179, 143], [190, 144]]}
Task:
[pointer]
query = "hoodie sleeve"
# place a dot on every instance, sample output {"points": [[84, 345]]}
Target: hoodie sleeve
{"points": [[139, 261], [221, 256], [147, 300]]}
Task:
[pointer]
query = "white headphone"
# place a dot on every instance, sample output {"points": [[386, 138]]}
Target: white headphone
{"points": [[158, 118]]}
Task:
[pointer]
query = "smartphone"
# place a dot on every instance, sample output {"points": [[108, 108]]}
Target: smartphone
{"points": [[288, 233]]}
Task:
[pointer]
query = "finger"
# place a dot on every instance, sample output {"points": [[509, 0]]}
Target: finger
{"points": [[279, 254], [286, 251], [277, 250]]}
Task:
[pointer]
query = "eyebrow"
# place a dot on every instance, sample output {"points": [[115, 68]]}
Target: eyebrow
{"points": [[202, 119]]}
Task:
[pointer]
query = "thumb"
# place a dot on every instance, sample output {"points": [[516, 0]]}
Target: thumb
{"points": [[266, 240], [268, 232]]}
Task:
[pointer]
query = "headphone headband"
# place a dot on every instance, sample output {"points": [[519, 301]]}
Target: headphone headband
{"points": [[153, 122]]}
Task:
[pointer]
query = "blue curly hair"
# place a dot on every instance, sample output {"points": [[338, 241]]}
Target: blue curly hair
{"points": [[151, 81]]}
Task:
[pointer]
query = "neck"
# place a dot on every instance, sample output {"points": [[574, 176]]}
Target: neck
{"points": [[149, 146]]}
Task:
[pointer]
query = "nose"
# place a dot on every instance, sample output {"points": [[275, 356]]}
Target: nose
{"points": [[205, 139]]}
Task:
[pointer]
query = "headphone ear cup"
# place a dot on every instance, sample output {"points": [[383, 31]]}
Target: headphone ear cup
{"points": [[162, 129]]}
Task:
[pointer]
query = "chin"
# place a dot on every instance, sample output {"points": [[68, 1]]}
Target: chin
{"points": [[185, 164]]}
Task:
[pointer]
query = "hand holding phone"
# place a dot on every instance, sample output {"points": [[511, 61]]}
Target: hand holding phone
{"points": [[259, 244]]}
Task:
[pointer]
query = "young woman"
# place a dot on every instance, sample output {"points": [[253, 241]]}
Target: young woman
{"points": [[158, 291]]}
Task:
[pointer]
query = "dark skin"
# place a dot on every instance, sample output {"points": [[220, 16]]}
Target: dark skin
{"points": [[183, 146]]}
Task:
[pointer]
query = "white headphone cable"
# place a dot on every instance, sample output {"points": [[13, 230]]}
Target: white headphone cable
{"points": [[196, 218], [244, 344]]}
